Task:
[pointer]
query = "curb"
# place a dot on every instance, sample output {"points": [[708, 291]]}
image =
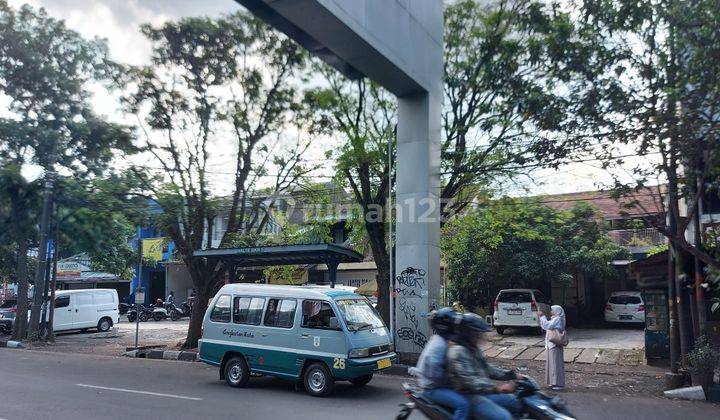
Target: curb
{"points": [[183, 356], [12, 344]]}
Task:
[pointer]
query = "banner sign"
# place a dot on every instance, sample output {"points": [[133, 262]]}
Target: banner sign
{"points": [[152, 249]]}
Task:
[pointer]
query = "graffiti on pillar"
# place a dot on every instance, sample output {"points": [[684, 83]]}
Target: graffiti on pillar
{"points": [[408, 311], [411, 285], [416, 337], [411, 282]]}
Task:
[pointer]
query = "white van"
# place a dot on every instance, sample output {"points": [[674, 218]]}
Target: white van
{"points": [[86, 308]]}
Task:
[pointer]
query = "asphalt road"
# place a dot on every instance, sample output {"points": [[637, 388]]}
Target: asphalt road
{"points": [[79, 387]]}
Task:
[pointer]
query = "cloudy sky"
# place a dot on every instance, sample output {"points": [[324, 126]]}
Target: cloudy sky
{"points": [[118, 22]]}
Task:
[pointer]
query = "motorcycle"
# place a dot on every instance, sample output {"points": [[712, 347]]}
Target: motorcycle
{"points": [[123, 308], [177, 312], [145, 313], [162, 310], [536, 404]]}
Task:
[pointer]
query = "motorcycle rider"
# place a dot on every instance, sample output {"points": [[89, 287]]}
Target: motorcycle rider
{"points": [[170, 298], [431, 366], [470, 373]]}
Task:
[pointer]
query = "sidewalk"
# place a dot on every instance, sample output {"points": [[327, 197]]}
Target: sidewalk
{"points": [[587, 346]]}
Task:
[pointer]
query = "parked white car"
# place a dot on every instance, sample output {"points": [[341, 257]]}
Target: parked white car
{"points": [[85, 309], [625, 307], [518, 308]]}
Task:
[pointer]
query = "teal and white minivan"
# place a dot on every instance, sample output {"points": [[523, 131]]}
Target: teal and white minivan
{"points": [[303, 333]]}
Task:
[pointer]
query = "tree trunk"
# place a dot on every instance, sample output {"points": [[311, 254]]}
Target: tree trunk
{"points": [[20, 329], [204, 279], [376, 234]]}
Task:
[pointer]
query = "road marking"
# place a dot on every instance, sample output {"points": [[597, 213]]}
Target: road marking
{"points": [[133, 391]]}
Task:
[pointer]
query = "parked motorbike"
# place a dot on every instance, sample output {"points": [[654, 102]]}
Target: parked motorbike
{"points": [[145, 313], [536, 404], [162, 310], [123, 308], [177, 312]]}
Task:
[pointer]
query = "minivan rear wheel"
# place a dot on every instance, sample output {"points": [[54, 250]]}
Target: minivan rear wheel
{"points": [[500, 330], [237, 372], [104, 325], [319, 382]]}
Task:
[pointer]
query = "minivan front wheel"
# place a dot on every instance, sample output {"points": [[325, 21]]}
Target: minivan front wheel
{"points": [[104, 325], [237, 372], [318, 380]]}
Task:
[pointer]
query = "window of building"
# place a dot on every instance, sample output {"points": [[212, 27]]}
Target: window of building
{"points": [[280, 313], [221, 310]]}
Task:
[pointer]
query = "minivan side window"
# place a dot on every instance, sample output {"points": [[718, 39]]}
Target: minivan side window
{"points": [[221, 310], [62, 301], [280, 313], [247, 310], [316, 314]]}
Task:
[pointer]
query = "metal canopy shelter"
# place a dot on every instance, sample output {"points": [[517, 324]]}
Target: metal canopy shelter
{"points": [[265, 256]]}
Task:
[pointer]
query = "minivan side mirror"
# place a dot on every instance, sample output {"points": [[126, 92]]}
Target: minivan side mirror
{"points": [[334, 323]]}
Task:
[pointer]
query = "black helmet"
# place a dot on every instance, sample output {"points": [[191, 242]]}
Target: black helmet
{"points": [[474, 322], [443, 321]]}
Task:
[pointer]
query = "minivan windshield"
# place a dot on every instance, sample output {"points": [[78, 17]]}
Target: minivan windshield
{"points": [[358, 314], [515, 297]]}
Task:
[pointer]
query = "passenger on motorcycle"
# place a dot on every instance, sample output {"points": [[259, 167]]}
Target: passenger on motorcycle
{"points": [[471, 374], [431, 367]]}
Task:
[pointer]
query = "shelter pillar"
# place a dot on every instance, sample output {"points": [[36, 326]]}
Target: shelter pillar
{"points": [[418, 220], [332, 271]]}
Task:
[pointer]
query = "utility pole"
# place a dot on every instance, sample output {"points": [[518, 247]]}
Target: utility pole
{"points": [[42, 250], [672, 308], [53, 281], [701, 315]]}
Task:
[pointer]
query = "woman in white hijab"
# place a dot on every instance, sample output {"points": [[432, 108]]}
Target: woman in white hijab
{"points": [[554, 365]]}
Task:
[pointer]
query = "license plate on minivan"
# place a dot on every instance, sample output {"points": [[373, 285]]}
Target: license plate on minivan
{"points": [[626, 317], [384, 363], [514, 311]]}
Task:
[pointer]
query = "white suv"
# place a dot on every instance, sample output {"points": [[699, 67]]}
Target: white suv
{"points": [[518, 308], [625, 307]]}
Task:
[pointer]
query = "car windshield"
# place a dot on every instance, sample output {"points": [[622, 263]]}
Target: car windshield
{"points": [[8, 304], [515, 297], [625, 300], [358, 314]]}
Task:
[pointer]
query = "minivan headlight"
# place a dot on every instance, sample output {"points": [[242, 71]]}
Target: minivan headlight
{"points": [[392, 347], [356, 353]]}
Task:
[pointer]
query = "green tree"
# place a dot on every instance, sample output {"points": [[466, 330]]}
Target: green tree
{"points": [[520, 243], [44, 72], [501, 106], [229, 78]]}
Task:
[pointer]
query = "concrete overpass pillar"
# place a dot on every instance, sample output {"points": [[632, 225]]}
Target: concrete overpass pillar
{"points": [[417, 282]]}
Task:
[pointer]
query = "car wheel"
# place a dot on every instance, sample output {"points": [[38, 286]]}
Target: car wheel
{"points": [[237, 372], [539, 331], [500, 330], [362, 381], [318, 380], [157, 316], [104, 325]]}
